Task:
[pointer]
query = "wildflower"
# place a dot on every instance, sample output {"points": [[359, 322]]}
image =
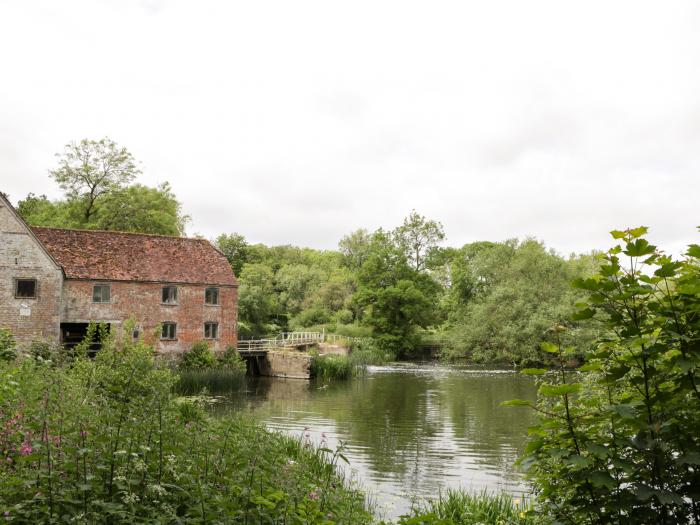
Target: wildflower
{"points": [[83, 433], [314, 494], [516, 501], [8, 460], [158, 490], [522, 514], [57, 441], [26, 448], [131, 498]]}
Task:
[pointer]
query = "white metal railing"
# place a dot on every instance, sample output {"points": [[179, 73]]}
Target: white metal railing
{"points": [[293, 339]]}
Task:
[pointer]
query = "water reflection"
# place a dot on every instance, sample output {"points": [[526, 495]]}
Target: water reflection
{"points": [[411, 430]]}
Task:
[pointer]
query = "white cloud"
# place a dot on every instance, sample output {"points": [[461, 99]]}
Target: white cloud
{"points": [[297, 122]]}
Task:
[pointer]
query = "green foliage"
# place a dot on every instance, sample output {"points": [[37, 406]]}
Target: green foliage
{"points": [[8, 347], [231, 359], [235, 248], [366, 352], [505, 296], [459, 507], [219, 380], [46, 351], [417, 237], [90, 169], [618, 440], [331, 367], [395, 298], [95, 176], [104, 441], [198, 357], [139, 208]]}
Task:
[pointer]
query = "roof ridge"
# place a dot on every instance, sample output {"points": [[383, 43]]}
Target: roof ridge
{"points": [[112, 232]]}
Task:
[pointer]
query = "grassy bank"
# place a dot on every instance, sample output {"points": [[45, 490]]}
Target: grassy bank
{"points": [[460, 507], [106, 441]]}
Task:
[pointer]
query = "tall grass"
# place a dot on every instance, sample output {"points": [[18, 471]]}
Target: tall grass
{"points": [[213, 380], [460, 507], [331, 367]]}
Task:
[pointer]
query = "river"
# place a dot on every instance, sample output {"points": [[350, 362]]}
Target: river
{"points": [[410, 430]]}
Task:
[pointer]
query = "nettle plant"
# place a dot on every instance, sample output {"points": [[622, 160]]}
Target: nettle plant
{"points": [[619, 439]]}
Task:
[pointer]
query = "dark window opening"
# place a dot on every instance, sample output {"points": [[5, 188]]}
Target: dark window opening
{"points": [[211, 296], [25, 288], [100, 293], [169, 331], [211, 330], [169, 294], [74, 333]]}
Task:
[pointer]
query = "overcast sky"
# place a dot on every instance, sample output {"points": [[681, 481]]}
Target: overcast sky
{"points": [[298, 122]]}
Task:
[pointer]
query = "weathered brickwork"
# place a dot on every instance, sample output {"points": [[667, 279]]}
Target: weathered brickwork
{"points": [[66, 264], [142, 302], [21, 257]]}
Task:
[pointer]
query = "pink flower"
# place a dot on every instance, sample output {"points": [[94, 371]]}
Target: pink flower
{"points": [[26, 448], [83, 433], [57, 441], [313, 494]]}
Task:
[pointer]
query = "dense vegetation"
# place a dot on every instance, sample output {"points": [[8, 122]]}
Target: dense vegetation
{"points": [[95, 176], [104, 440], [619, 439]]}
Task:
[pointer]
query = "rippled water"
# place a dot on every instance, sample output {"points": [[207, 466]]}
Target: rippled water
{"points": [[411, 429]]}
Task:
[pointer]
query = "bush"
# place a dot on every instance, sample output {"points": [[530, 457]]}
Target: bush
{"points": [[366, 352], [42, 350], [198, 357], [230, 359], [8, 347], [104, 441], [618, 439], [331, 367]]}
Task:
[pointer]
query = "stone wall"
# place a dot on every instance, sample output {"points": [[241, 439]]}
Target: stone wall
{"points": [[22, 257], [292, 365], [142, 302]]}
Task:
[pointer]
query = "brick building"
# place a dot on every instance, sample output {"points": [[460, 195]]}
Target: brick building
{"points": [[53, 282]]}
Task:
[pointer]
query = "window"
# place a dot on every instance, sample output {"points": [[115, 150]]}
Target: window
{"points": [[211, 330], [25, 288], [211, 296], [100, 293], [169, 331], [169, 294]]}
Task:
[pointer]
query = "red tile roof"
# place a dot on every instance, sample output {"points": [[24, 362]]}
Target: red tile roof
{"points": [[118, 256]]}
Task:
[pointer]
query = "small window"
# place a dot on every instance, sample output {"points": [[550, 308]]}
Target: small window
{"points": [[100, 293], [211, 330], [169, 331], [211, 296], [25, 288], [169, 294]]}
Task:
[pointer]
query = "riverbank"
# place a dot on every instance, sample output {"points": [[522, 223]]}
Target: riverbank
{"points": [[105, 440]]}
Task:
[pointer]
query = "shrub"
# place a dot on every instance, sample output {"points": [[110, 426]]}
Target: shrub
{"points": [[331, 367], [42, 350], [231, 360], [8, 347], [197, 357], [104, 441], [618, 439], [366, 352]]}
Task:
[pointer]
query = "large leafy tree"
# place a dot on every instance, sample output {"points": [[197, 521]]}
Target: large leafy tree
{"points": [[89, 169], [417, 236], [396, 299], [142, 209], [235, 248]]}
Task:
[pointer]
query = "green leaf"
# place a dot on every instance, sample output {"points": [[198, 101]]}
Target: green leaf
{"points": [[638, 232], [693, 251], [602, 479], [559, 390], [639, 248], [618, 234], [577, 460], [533, 371], [582, 315], [549, 347], [668, 270], [625, 411], [516, 403]]}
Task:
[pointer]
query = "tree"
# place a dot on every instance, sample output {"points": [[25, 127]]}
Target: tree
{"points": [[355, 248], [395, 297], [417, 236], [40, 211], [236, 250], [89, 169], [141, 209]]}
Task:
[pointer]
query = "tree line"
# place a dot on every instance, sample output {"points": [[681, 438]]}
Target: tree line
{"points": [[488, 301]]}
